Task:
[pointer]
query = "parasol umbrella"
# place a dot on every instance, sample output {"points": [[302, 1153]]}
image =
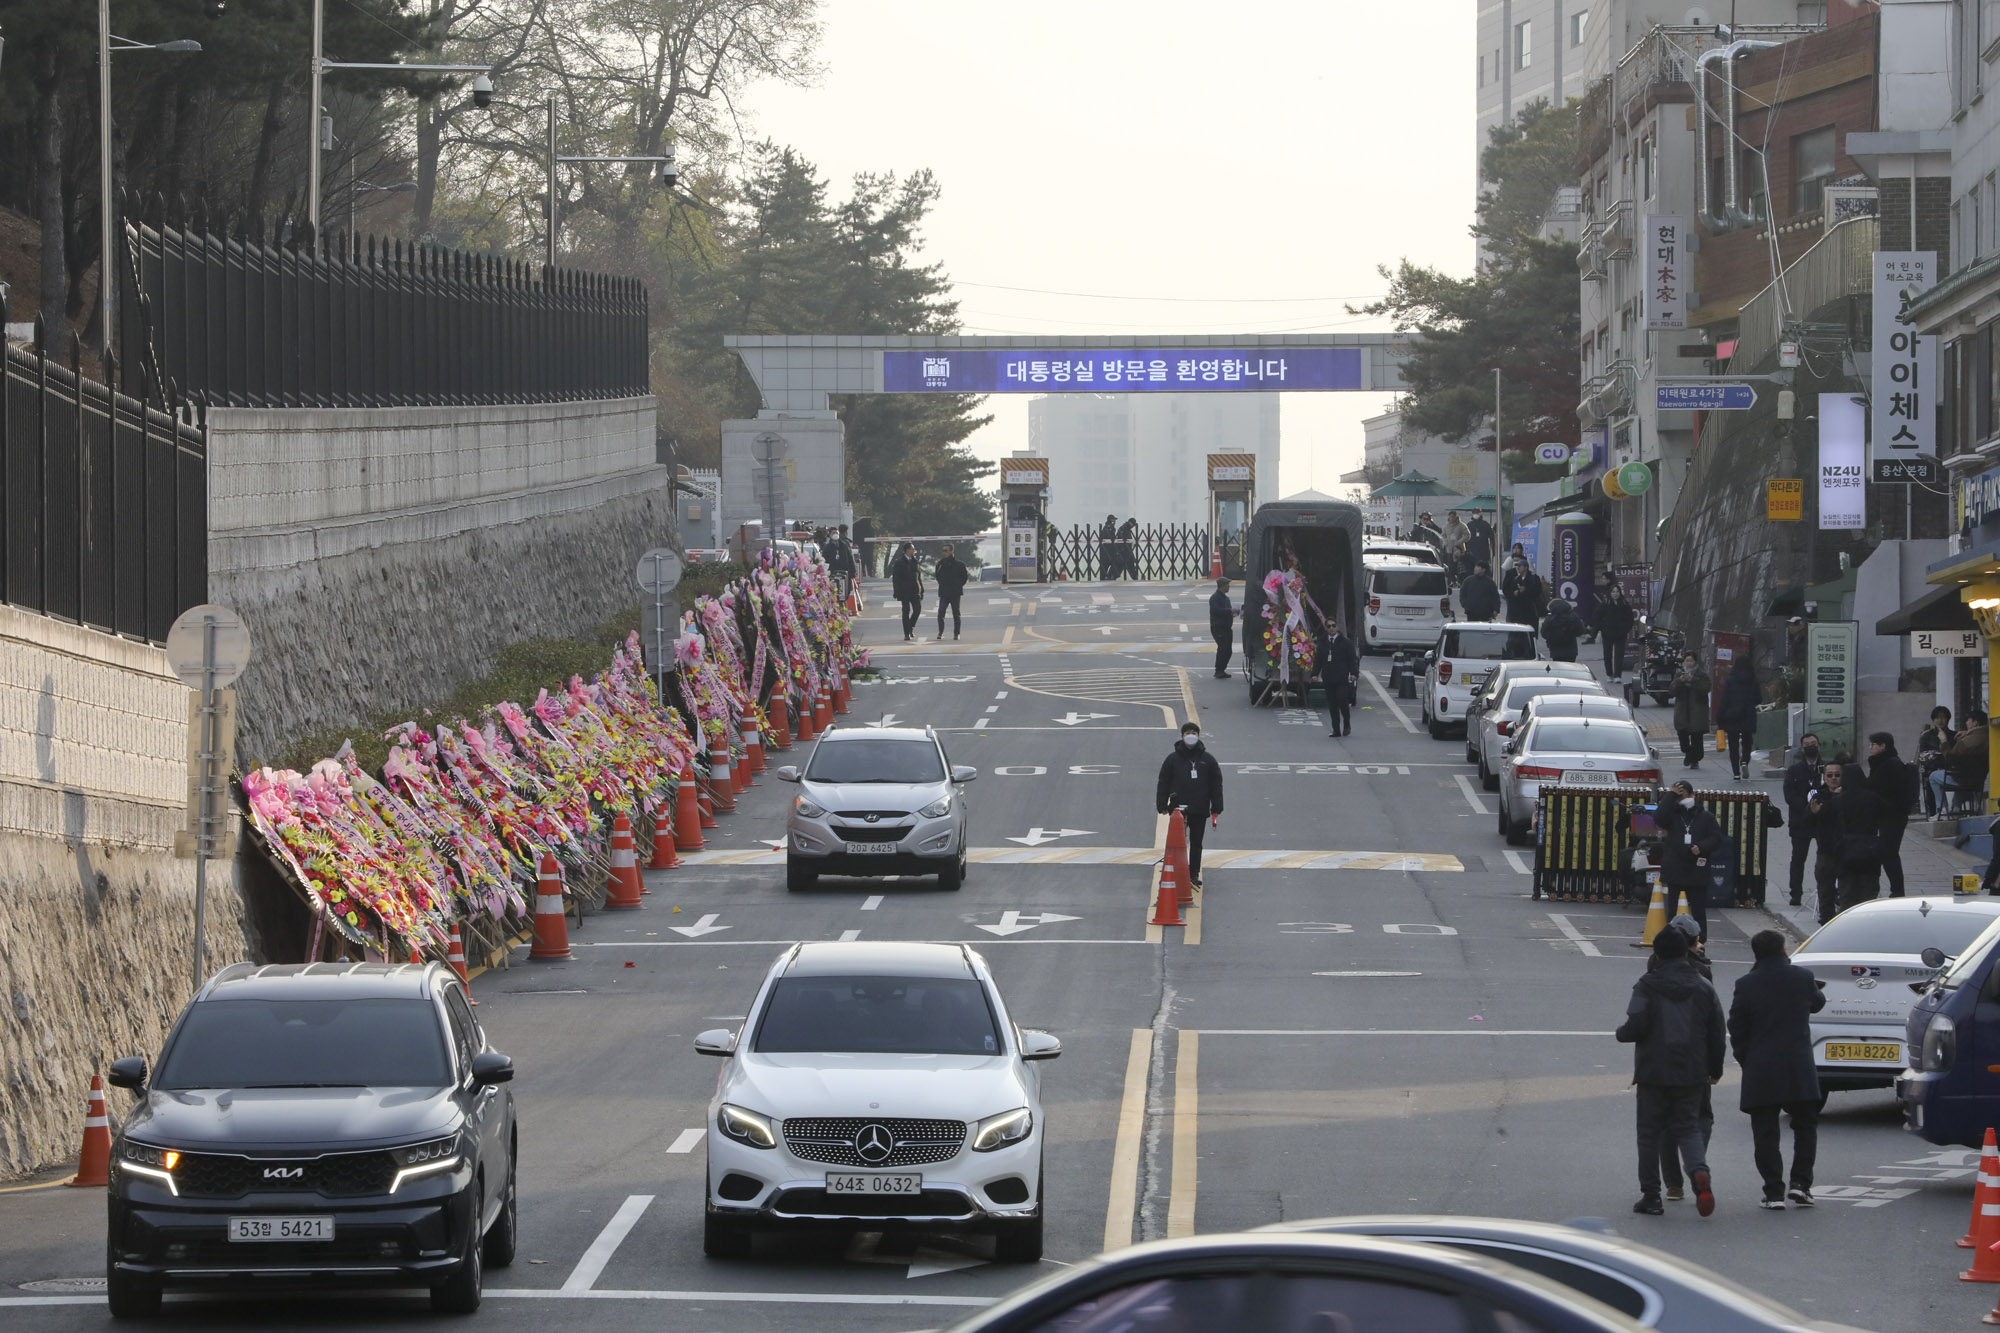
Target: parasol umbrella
{"points": [[1413, 483], [1477, 500]]}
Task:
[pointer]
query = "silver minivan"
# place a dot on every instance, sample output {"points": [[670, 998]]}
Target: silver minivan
{"points": [[877, 801]]}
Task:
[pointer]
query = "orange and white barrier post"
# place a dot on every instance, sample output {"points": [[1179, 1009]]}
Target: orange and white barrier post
{"points": [[807, 731], [823, 707], [781, 723], [753, 749], [1985, 1190], [93, 1164], [663, 843], [551, 925], [624, 886], [1167, 905], [687, 814]]}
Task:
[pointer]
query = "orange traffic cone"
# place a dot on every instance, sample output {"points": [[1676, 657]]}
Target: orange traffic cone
{"points": [[806, 731], [1167, 906], [753, 749], [781, 725], [721, 789], [93, 1165], [840, 689], [1983, 1190], [1985, 1221], [687, 815], [624, 885], [1177, 851], [663, 844], [551, 926], [823, 707], [457, 960], [1215, 563], [705, 803], [852, 609], [416, 958]]}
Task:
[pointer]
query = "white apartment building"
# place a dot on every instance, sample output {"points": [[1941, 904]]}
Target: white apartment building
{"points": [[1145, 456]]}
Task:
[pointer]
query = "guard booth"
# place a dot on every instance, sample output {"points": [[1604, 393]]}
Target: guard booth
{"points": [[1232, 498], [1024, 497]]}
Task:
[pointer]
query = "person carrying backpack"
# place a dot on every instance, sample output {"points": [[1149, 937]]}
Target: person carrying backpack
{"points": [[1675, 1025]]}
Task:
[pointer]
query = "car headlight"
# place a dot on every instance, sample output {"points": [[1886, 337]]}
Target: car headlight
{"points": [[1940, 1046], [746, 1127], [937, 809], [155, 1164], [997, 1131], [418, 1160], [806, 809]]}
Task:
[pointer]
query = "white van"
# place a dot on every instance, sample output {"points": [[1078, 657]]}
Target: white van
{"points": [[1454, 670], [1408, 603]]}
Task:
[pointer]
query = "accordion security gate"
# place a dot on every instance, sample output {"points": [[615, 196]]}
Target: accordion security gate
{"points": [[1161, 551], [1583, 851]]}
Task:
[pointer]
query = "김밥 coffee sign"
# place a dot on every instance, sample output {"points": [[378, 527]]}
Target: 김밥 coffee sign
{"points": [[1843, 469]]}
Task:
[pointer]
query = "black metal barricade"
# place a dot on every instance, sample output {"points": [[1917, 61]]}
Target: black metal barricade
{"points": [[1583, 844], [1745, 821]]}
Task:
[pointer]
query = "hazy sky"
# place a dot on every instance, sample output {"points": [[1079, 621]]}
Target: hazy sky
{"points": [[1217, 168]]}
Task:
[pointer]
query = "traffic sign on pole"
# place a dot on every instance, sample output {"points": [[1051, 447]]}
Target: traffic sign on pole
{"points": [[189, 651], [1717, 397]]}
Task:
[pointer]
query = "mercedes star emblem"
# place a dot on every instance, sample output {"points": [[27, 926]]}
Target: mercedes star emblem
{"points": [[873, 1144]]}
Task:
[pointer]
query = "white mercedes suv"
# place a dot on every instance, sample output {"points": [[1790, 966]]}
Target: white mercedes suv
{"points": [[877, 1086]]}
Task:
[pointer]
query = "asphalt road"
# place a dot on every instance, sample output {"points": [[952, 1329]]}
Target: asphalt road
{"points": [[1366, 1013]]}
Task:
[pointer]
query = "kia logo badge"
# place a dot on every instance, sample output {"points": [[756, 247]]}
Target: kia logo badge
{"points": [[284, 1172]]}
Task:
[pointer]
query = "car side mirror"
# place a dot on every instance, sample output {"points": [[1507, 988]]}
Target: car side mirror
{"points": [[715, 1041], [789, 773], [963, 773], [490, 1068], [1932, 958], [1430, 657], [129, 1072], [1039, 1045]]}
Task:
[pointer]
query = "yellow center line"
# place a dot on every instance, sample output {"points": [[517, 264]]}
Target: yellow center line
{"points": [[1180, 1203], [1123, 1208]]}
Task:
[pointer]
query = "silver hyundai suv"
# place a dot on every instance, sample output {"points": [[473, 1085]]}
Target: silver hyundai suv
{"points": [[877, 801]]}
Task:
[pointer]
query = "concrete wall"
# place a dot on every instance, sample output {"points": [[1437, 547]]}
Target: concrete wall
{"points": [[96, 914], [382, 556]]}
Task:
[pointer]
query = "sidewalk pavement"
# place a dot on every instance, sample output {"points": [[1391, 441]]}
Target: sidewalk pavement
{"points": [[1928, 863]]}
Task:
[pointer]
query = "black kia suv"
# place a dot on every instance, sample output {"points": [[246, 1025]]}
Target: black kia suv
{"points": [[322, 1124]]}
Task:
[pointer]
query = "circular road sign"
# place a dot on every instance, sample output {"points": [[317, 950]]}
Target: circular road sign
{"points": [[659, 571], [188, 639], [768, 447]]}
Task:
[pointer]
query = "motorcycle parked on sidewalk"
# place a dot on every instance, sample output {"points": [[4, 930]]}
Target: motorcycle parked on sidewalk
{"points": [[1660, 652]]}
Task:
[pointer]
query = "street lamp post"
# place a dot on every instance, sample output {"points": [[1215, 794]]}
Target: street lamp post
{"points": [[482, 93], [666, 175], [107, 281]]}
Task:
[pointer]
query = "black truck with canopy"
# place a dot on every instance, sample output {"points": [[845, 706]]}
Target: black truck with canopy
{"points": [[1321, 538]]}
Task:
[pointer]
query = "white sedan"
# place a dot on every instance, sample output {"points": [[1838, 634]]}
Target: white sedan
{"points": [[1868, 962], [877, 1087]]}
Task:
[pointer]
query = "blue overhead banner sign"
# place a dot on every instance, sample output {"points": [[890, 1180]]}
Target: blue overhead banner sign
{"points": [[1705, 397], [1154, 370]]}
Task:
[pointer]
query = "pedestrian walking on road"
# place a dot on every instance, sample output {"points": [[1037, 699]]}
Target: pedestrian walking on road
{"points": [[1690, 694], [1895, 785], [951, 575], [1339, 673], [840, 560], [1847, 821], [1107, 557], [1692, 837], [1561, 628], [1670, 1156], [1770, 1031], [1674, 1023], [1479, 540], [1191, 782], [1222, 615], [1523, 589], [1737, 715], [1479, 596], [1802, 777], [1430, 534], [906, 581], [1128, 549], [1613, 621]]}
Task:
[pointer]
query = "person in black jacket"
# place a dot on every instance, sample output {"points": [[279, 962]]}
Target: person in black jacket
{"points": [[951, 575], [1895, 784], [1479, 540], [1523, 589], [1692, 836], [1737, 714], [1222, 615], [1802, 776], [1613, 621], [1770, 1031], [1191, 782], [1847, 821], [1670, 1156], [1339, 673], [906, 581], [1932, 742], [1561, 628], [1674, 1023], [1479, 595]]}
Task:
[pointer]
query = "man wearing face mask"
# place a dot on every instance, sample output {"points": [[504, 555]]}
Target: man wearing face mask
{"points": [[1802, 777], [1191, 781], [1692, 836]]}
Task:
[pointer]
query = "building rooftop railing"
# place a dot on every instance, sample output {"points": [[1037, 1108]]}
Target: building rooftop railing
{"points": [[1840, 264]]}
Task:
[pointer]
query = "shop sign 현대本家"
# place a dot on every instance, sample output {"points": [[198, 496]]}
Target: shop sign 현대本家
{"points": [[1663, 256]]}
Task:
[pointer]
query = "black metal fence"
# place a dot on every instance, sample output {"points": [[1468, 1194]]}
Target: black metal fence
{"points": [[1160, 551], [103, 500], [239, 321]]}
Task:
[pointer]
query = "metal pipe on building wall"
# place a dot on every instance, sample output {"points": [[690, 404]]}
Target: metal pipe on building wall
{"points": [[1732, 214]]}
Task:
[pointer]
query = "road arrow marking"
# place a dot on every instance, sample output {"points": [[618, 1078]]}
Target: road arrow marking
{"points": [[1073, 718], [1104, 629], [1013, 923], [888, 720], [1039, 835], [705, 926]]}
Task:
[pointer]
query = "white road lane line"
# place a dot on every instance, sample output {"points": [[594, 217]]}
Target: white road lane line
{"points": [[591, 1267], [687, 1141], [873, 902], [1518, 861], [1123, 1207], [1184, 628], [1001, 695], [736, 1297], [1471, 796], [849, 936], [1575, 936], [1401, 1032], [1187, 1113], [1401, 716]]}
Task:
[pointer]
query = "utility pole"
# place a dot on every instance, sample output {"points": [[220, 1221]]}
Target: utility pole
{"points": [[1501, 519]]}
